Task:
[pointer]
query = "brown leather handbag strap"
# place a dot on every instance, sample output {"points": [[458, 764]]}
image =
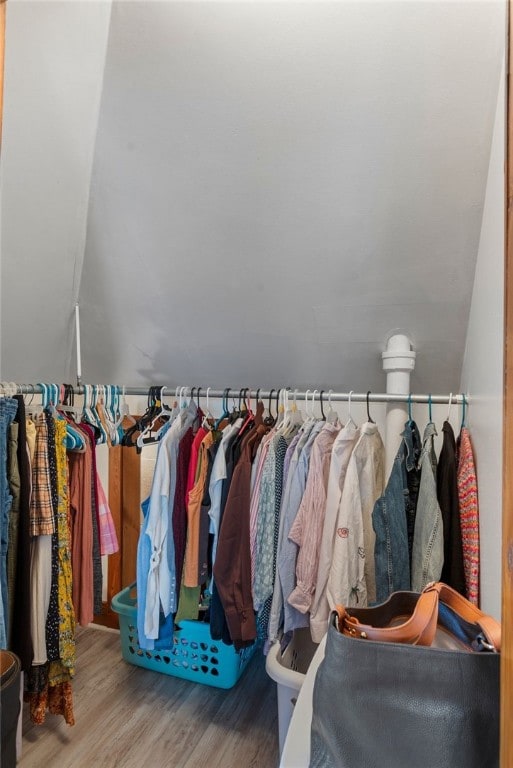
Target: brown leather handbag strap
{"points": [[491, 628], [418, 629]]}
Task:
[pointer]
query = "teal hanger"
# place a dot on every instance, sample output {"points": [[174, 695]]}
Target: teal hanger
{"points": [[430, 404], [463, 411], [410, 420]]}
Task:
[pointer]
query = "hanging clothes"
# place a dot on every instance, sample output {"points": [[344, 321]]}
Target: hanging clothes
{"points": [[306, 530], [352, 580], [21, 638], [13, 475], [232, 568], [156, 565], [469, 514], [428, 540], [8, 408], [453, 572], [95, 521], [341, 452], [393, 515], [287, 555], [276, 617], [82, 533]]}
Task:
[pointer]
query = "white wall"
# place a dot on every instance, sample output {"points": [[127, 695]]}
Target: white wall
{"points": [[482, 373], [54, 63], [278, 185]]}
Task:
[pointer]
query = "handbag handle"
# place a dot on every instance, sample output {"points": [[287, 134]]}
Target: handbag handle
{"points": [[420, 626]]}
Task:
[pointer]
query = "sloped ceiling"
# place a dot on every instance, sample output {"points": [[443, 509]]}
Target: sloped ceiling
{"points": [[275, 187]]}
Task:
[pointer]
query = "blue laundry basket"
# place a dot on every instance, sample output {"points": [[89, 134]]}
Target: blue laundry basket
{"points": [[193, 655]]}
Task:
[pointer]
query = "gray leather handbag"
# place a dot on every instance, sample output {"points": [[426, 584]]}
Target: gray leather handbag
{"points": [[412, 682]]}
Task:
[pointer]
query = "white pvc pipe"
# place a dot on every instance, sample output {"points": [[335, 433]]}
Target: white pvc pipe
{"points": [[398, 363]]}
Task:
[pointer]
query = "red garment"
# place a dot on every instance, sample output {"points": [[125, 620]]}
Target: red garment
{"points": [[193, 463]]}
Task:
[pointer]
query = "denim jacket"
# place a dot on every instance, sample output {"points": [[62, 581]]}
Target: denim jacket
{"points": [[428, 541], [393, 515]]}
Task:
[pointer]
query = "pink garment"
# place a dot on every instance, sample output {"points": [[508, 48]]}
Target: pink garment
{"points": [[469, 514], [108, 538], [307, 528], [255, 497], [80, 468]]}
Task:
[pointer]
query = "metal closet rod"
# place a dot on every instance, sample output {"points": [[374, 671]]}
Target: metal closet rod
{"points": [[356, 397]]}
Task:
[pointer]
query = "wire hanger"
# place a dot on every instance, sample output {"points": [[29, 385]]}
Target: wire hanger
{"points": [[369, 417]]}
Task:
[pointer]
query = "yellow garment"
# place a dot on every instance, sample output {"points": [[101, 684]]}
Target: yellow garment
{"points": [[65, 603]]}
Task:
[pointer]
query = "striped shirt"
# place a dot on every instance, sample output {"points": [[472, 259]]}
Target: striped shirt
{"points": [[41, 507]]}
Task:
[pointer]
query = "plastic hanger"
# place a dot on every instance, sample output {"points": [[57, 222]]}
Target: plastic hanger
{"points": [[449, 408], [322, 405], [463, 411], [225, 412], [350, 419], [160, 411], [287, 423], [313, 405], [280, 409], [267, 415], [208, 418], [332, 415], [249, 415], [410, 419], [369, 417], [308, 415], [297, 416]]}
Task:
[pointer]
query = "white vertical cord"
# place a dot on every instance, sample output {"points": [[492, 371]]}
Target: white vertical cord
{"points": [[79, 351]]}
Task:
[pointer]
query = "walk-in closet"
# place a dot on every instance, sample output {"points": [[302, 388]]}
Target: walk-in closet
{"points": [[255, 307]]}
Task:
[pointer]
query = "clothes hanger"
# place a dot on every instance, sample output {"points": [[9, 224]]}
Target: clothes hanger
{"points": [[269, 421], [369, 417], [410, 419], [249, 415], [449, 408], [280, 410], [224, 413], [313, 405], [131, 435], [350, 419], [124, 413], [322, 405], [161, 411], [297, 416], [332, 415], [308, 415], [75, 440], [463, 411], [97, 394], [208, 419], [285, 423]]}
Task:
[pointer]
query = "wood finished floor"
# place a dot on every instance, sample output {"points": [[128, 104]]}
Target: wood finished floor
{"points": [[128, 717]]}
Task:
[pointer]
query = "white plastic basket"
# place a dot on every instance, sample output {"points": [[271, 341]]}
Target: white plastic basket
{"points": [[288, 670]]}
